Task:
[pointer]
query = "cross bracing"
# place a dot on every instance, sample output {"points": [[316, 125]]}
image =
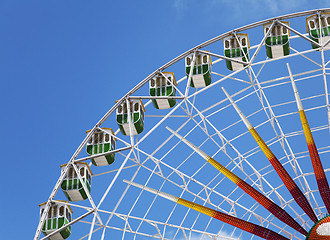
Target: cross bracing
{"points": [[204, 115]]}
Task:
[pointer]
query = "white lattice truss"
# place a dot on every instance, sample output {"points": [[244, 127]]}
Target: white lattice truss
{"points": [[192, 117]]}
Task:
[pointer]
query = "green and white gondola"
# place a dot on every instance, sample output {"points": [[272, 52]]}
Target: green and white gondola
{"points": [[163, 86], [201, 74], [137, 116], [277, 42], [318, 28], [238, 50], [72, 186], [59, 215], [102, 141]]}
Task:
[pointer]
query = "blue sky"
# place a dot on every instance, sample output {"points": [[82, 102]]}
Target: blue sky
{"points": [[64, 63]]}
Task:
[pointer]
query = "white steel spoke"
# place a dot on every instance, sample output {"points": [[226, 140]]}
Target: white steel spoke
{"points": [[272, 118], [157, 159], [325, 87]]}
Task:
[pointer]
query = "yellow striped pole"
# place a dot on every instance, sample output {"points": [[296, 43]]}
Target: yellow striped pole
{"points": [[264, 201], [294, 190], [234, 221], [321, 179]]}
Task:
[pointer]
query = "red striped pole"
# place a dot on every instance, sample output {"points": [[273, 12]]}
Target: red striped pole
{"points": [[294, 190], [264, 201], [234, 221], [321, 179]]}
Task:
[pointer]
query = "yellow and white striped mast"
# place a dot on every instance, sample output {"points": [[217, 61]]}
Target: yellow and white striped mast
{"points": [[321, 179], [268, 204], [294, 190], [234, 221]]}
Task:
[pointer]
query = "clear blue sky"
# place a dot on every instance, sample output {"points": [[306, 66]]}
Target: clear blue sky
{"points": [[64, 63]]}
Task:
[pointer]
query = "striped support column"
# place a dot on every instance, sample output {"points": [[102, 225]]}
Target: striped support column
{"points": [[264, 201], [294, 190], [234, 221], [321, 179]]}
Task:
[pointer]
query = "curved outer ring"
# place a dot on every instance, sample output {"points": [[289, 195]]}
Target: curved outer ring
{"points": [[144, 81], [178, 58]]}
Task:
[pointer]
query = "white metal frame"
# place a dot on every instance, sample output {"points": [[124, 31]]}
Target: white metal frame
{"points": [[201, 118]]}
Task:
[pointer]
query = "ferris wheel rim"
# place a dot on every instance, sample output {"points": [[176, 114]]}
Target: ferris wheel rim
{"points": [[206, 43], [173, 61]]}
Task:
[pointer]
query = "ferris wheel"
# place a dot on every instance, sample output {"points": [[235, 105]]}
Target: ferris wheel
{"points": [[229, 140]]}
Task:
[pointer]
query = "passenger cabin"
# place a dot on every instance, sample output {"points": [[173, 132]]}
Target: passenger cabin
{"points": [[201, 74], [162, 85], [277, 41], [72, 186], [102, 141], [236, 48], [137, 115], [318, 28], [59, 215]]}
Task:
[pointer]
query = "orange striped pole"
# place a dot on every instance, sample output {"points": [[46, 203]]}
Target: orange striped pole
{"points": [[294, 190], [264, 201], [234, 221], [321, 179]]}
